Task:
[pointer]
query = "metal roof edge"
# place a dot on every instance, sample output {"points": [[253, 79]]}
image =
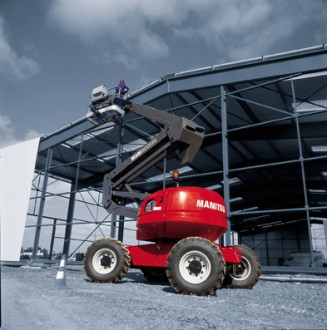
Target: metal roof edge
{"points": [[67, 126], [229, 65], [69, 131]]}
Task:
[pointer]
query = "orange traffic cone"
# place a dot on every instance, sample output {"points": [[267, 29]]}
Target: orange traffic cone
{"points": [[61, 274]]}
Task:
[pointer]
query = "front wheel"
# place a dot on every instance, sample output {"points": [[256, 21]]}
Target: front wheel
{"points": [[245, 274], [195, 266], [106, 261]]}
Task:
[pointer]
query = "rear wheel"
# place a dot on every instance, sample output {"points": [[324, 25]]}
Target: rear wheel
{"points": [[195, 266], [106, 260], [155, 274], [245, 274]]}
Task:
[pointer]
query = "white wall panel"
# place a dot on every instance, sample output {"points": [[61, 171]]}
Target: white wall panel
{"points": [[17, 164]]}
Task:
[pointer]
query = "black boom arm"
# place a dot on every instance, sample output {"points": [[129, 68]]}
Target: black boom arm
{"points": [[177, 134]]}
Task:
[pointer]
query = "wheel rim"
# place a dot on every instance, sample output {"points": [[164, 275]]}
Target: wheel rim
{"points": [[243, 270], [104, 261], [195, 267]]}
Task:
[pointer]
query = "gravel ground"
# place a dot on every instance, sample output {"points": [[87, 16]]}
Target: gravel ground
{"points": [[32, 300]]}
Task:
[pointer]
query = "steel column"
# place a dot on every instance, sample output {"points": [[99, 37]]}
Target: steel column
{"points": [[121, 228], [164, 173], [52, 238], [42, 203], [114, 217], [325, 232], [306, 204], [71, 206], [225, 161], [69, 223]]}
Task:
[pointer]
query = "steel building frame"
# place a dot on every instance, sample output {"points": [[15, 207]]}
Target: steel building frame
{"points": [[262, 120]]}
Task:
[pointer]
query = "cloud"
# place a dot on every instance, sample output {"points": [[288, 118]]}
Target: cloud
{"points": [[13, 66], [239, 29], [142, 30], [7, 133], [32, 134], [111, 27]]}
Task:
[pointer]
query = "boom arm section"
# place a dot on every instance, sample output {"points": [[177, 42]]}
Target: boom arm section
{"points": [[177, 134]]}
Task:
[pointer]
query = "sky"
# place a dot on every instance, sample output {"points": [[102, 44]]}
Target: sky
{"points": [[53, 52]]}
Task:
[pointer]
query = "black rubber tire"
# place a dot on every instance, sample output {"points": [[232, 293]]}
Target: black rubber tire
{"points": [[106, 261], [195, 266], [247, 272], [155, 274]]}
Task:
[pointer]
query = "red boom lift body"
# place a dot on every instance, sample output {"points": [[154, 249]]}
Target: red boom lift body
{"points": [[171, 214]]}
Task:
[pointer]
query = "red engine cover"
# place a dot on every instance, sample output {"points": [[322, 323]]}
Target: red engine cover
{"points": [[176, 213]]}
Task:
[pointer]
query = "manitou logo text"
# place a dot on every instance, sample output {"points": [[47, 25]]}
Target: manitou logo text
{"points": [[210, 205], [143, 149]]}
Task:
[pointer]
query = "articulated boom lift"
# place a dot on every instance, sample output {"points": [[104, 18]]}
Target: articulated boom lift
{"points": [[182, 223]]}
